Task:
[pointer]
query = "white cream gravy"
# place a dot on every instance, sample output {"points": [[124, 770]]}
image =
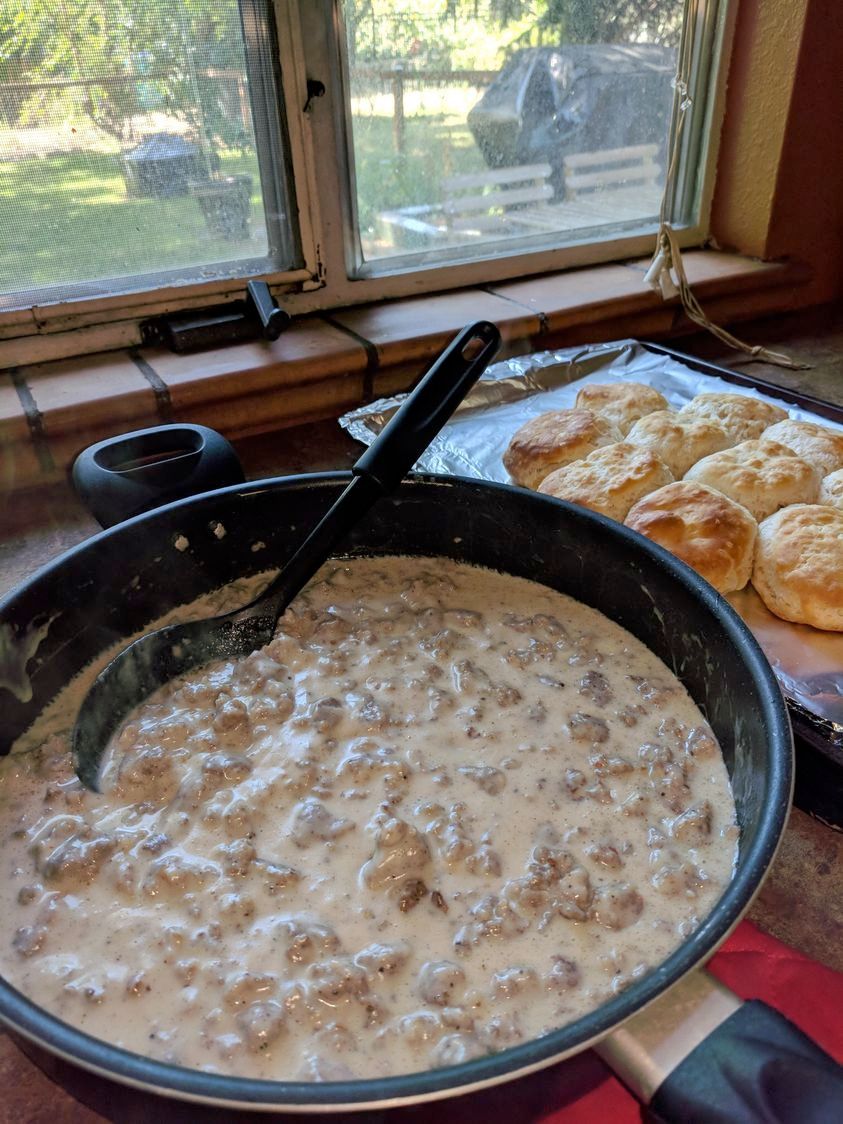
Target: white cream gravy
{"points": [[443, 812]]}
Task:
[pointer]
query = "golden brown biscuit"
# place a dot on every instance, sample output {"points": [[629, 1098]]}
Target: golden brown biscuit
{"points": [[819, 446], [621, 403], [679, 442], [712, 533], [799, 565], [609, 480], [741, 415], [831, 489], [552, 440], [762, 475]]}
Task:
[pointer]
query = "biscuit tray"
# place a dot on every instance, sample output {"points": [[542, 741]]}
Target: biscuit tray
{"points": [[808, 662]]}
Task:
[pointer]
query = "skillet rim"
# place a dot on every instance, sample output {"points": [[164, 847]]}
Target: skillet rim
{"points": [[115, 1063]]}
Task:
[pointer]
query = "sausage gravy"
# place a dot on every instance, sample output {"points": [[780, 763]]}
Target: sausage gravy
{"points": [[444, 811]]}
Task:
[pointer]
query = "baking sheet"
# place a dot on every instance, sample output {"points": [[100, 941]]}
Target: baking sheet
{"points": [[808, 663]]}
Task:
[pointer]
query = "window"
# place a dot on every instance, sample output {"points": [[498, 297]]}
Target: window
{"points": [[136, 145], [153, 154], [468, 130]]}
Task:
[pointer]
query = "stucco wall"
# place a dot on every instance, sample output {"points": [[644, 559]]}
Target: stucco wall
{"points": [[780, 172]]}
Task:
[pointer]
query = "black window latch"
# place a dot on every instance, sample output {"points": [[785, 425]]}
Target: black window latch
{"points": [[256, 317], [315, 89]]}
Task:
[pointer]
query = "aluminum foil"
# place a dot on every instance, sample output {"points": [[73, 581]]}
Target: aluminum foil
{"points": [[807, 662]]}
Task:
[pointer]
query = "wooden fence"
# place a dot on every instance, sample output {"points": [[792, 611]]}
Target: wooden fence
{"points": [[396, 79], [399, 76], [233, 82]]}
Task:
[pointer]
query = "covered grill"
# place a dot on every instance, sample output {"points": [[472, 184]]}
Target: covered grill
{"points": [[550, 102]]}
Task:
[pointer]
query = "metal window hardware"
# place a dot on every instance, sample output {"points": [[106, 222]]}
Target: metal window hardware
{"points": [[256, 317], [315, 89]]}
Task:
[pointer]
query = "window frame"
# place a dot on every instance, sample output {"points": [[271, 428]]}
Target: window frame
{"points": [[308, 34]]}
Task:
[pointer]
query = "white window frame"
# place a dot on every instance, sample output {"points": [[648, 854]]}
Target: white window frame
{"points": [[308, 36]]}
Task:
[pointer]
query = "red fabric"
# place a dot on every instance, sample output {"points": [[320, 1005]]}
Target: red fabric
{"points": [[583, 1091]]}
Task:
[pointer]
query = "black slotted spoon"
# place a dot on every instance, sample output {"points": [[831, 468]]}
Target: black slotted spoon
{"points": [[163, 655]]}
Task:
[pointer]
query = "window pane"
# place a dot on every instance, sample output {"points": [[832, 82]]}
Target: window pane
{"points": [[134, 140], [474, 121]]}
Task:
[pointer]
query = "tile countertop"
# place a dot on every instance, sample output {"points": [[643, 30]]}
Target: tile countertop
{"points": [[801, 901]]}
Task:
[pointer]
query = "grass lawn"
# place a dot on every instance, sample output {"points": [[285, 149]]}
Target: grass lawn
{"points": [[435, 147], [66, 218]]}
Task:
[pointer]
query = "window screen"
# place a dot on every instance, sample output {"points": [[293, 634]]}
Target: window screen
{"points": [[137, 137]]}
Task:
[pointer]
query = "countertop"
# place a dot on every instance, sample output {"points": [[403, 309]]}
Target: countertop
{"points": [[801, 901]]}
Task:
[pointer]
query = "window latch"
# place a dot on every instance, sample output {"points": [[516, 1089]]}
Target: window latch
{"points": [[315, 89], [260, 303], [256, 317]]}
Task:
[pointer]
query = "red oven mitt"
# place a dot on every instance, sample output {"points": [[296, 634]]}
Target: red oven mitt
{"points": [[582, 1090]]}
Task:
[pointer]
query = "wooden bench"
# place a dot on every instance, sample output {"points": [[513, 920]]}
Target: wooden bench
{"points": [[609, 186], [480, 201], [477, 203], [611, 169]]}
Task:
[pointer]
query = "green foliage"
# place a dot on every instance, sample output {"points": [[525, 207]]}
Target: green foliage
{"points": [[480, 33], [613, 21], [131, 56], [162, 54]]}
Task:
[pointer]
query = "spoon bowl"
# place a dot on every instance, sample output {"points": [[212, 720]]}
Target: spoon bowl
{"points": [[160, 656]]}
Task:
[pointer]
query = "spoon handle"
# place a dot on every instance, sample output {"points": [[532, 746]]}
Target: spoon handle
{"points": [[431, 404], [388, 460]]}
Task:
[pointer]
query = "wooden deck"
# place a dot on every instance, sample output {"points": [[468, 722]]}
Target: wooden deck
{"points": [[429, 228], [608, 187]]}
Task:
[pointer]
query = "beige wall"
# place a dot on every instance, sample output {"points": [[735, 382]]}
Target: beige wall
{"points": [[780, 174]]}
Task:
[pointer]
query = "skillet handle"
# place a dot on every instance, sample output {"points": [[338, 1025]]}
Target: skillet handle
{"points": [[134, 472], [757, 1066], [700, 1055]]}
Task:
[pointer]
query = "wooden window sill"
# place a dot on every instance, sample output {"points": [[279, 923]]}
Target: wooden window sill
{"points": [[325, 364]]}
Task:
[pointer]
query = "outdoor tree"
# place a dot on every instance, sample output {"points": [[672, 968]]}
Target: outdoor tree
{"points": [[522, 22], [118, 58], [608, 21], [115, 59]]}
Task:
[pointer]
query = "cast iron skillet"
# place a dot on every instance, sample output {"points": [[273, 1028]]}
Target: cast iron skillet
{"points": [[117, 582]]}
